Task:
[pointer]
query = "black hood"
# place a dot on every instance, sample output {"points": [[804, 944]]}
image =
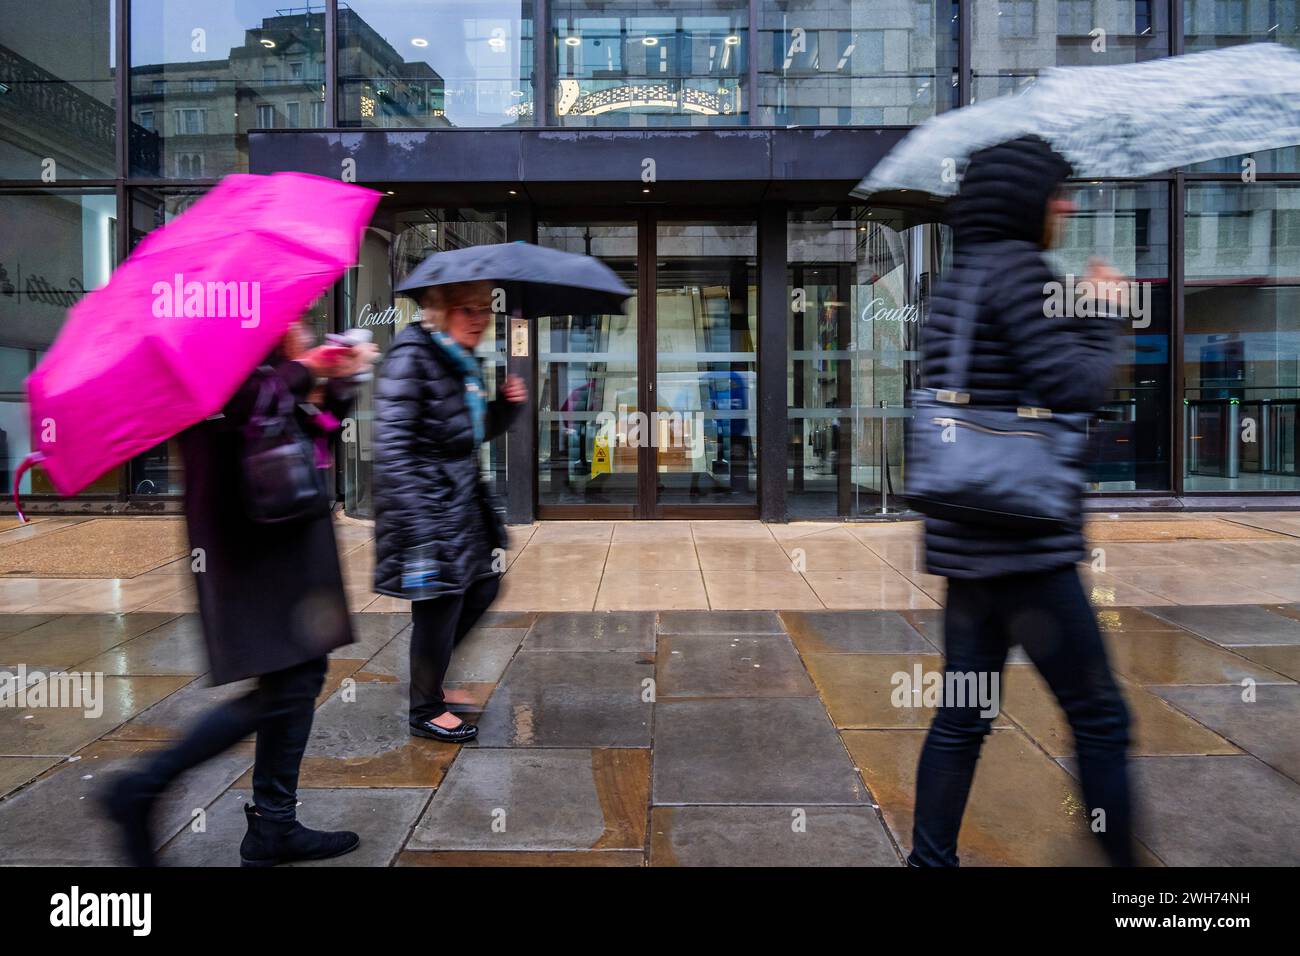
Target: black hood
{"points": [[1005, 191]]}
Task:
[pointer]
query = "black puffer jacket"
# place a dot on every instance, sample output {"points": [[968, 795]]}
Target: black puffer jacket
{"points": [[1065, 364], [427, 487]]}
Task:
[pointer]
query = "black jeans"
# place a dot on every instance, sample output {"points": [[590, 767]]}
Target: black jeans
{"points": [[280, 710], [1049, 615], [438, 624]]}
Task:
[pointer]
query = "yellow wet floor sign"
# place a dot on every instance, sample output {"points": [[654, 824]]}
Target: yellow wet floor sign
{"points": [[600, 457]]}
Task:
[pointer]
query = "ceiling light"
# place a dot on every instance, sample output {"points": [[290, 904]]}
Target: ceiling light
{"points": [[650, 41], [269, 44], [732, 40], [573, 41], [419, 41]]}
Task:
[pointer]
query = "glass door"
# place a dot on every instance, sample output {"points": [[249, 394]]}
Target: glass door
{"points": [[652, 413], [588, 386], [705, 369]]}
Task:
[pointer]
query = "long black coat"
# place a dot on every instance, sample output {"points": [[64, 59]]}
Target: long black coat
{"points": [[998, 220], [427, 487], [271, 595]]}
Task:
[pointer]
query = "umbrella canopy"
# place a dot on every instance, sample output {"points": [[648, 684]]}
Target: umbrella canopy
{"points": [[537, 280], [1115, 121], [187, 317]]}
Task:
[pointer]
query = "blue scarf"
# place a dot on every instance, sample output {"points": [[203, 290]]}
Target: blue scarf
{"points": [[475, 390]]}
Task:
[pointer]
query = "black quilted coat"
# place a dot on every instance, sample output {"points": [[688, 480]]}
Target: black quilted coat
{"points": [[427, 488], [998, 220]]}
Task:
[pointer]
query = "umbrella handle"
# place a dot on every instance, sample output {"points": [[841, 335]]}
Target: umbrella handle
{"points": [[34, 458]]}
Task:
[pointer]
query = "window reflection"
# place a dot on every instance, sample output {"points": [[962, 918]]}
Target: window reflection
{"points": [[66, 248], [427, 63], [1241, 346], [658, 63], [204, 74], [1012, 40], [859, 292], [1127, 224], [394, 246], [853, 62], [57, 120]]}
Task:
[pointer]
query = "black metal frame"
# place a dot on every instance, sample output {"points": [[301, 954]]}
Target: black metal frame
{"points": [[769, 203]]}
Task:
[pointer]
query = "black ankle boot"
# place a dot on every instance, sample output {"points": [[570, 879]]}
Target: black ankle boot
{"points": [[272, 842], [128, 802]]}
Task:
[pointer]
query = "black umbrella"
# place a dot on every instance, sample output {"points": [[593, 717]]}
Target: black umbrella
{"points": [[538, 281]]}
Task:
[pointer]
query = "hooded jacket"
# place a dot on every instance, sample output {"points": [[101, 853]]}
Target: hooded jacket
{"points": [[428, 492], [1020, 354]]}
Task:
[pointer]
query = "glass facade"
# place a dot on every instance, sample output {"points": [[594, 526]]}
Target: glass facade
{"points": [[650, 62], [204, 74], [1241, 337], [416, 63], [858, 291], [855, 62], [389, 250], [110, 130]]}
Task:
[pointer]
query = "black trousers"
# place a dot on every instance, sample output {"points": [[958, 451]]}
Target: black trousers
{"points": [[438, 624], [1049, 615], [280, 711]]}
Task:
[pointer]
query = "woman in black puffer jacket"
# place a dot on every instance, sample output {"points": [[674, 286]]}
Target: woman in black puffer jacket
{"points": [[1008, 586], [438, 536]]}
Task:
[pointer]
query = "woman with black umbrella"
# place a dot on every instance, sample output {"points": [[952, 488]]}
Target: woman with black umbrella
{"points": [[438, 537]]}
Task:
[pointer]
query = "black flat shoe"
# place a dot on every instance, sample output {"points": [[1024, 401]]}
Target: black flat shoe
{"points": [[456, 735]]}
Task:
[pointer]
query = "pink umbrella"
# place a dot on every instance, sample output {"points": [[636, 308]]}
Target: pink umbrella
{"points": [[186, 318]]}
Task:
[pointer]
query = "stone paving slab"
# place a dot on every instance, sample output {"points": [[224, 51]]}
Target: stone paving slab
{"points": [[16, 771], [176, 647], [1157, 728], [1283, 658], [592, 631], [1024, 809], [1216, 811], [1167, 657], [480, 657], [1234, 624], [565, 858], [556, 799], [730, 665], [68, 640], [854, 632], [570, 699], [35, 731], [747, 751], [719, 622], [1267, 724], [361, 738], [382, 818], [769, 836], [56, 821]]}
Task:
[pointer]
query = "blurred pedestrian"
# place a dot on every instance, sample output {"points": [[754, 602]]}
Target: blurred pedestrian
{"points": [[270, 593], [439, 539], [1008, 585]]}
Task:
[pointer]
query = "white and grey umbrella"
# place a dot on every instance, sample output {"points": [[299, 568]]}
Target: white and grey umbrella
{"points": [[1115, 121]]}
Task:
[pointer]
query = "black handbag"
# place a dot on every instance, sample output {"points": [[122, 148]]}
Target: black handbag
{"points": [[280, 480], [1021, 467]]}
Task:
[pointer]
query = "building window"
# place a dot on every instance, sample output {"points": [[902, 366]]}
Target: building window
{"points": [[1016, 18], [145, 118], [1074, 18], [265, 116], [401, 65], [211, 82], [293, 115], [191, 122], [189, 166]]}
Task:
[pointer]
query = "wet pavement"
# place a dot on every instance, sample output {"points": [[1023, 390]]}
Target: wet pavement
{"points": [[681, 738], [691, 735]]}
